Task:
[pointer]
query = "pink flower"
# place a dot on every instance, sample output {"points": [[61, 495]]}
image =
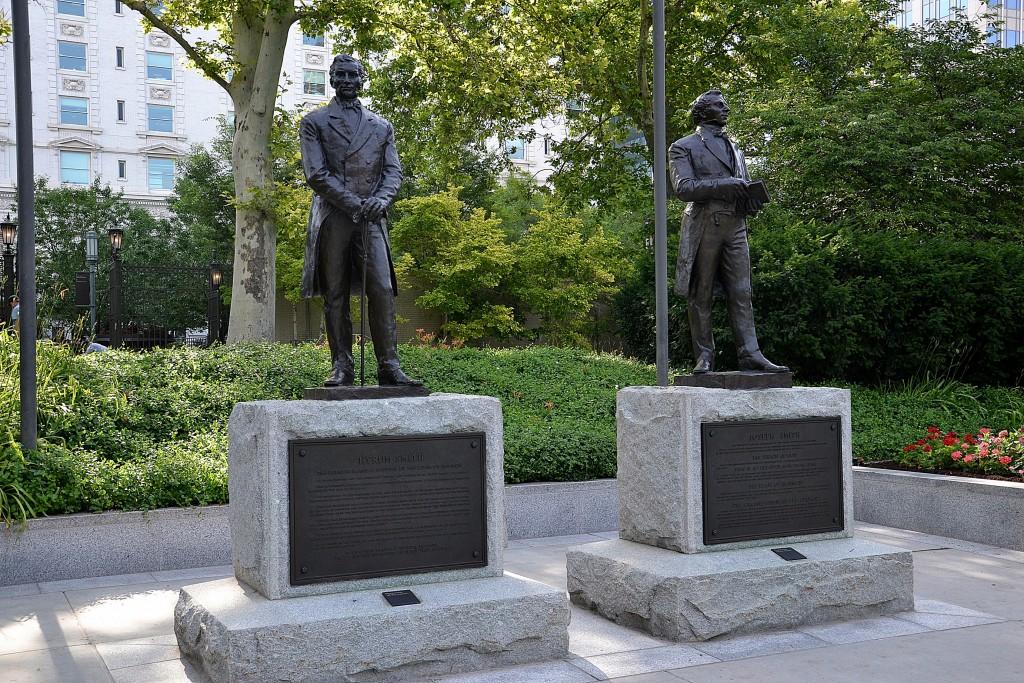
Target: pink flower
{"points": [[1003, 433], [985, 430], [969, 458], [1005, 460], [956, 455]]}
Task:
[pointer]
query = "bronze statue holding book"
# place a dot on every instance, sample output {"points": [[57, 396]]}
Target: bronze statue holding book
{"points": [[708, 170]]}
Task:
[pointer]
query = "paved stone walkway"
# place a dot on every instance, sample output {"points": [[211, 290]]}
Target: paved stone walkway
{"points": [[968, 625]]}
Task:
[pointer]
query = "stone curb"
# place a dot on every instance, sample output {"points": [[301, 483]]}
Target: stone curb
{"points": [[976, 510], [84, 545]]}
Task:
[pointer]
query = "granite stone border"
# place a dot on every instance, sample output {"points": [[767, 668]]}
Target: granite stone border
{"points": [[84, 545], [968, 509]]}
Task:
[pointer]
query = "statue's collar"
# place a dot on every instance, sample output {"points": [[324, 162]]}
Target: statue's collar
{"points": [[347, 104], [710, 130]]}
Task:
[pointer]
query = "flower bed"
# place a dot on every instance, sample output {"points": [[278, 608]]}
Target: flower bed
{"points": [[988, 452]]}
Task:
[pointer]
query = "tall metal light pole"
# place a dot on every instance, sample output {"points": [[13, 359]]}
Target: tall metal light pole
{"points": [[27, 218], [660, 199], [8, 231], [116, 234], [92, 258], [213, 301]]}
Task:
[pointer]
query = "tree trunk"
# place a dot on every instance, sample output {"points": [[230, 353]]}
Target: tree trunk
{"points": [[253, 283], [253, 296]]}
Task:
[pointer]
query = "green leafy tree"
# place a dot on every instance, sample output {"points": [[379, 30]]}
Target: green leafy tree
{"points": [[561, 272], [460, 261], [63, 216], [202, 200], [912, 131]]}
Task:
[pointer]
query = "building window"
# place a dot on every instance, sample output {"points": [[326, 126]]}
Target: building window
{"points": [[516, 149], [1011, 4], [122, 169], [117, 7], [1011, 38], [161, 173], [121, 111], [159, 65], [160, 119], [314, 82], [313, 40], [71, 56], [75, 8], [74, 168], [119, 57], [548, 145], [74, 110]]}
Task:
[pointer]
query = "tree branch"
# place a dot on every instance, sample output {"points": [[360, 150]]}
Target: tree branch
{"points": [[206, 65]]}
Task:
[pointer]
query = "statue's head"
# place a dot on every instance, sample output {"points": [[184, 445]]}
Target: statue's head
{"points": [[347, 75], [710, 108]]}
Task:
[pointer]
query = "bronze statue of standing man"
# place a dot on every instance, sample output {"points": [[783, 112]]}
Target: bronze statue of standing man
{"points": [[350, 161], [708, 171]]}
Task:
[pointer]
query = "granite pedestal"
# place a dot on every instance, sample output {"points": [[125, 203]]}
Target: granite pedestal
{"points": [[259, 627], [661, 576]]}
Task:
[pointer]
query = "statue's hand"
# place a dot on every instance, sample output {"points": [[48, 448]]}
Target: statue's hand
{"points": [[735, 188], [373, 209]]}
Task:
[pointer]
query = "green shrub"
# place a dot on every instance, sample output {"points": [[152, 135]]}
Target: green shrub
{"points": [[888, 418], [863, 307], [136, 431]]}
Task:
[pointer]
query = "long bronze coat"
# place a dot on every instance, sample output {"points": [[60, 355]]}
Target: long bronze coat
{"points": [[344, 169], [696, 172]]}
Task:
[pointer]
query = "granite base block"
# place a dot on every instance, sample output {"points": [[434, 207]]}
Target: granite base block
{"points": [[235, 635], [258, 436], [687, 597], [660, 474]]}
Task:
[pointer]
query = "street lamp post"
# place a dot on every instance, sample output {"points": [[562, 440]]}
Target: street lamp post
{"points": [[92, 258], [8, 232], [116, 234], [213, 301]]}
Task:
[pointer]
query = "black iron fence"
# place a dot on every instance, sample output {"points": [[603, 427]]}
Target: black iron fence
{"points": [[153, 305]]}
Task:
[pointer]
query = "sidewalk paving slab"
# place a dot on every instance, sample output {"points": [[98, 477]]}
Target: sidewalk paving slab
{"points": [[968, 624]]}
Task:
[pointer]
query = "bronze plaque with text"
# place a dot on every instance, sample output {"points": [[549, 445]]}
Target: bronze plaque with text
{"points": [[378, 506], [771, 478]]}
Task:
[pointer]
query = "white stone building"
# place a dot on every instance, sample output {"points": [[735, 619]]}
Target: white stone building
{"points": [[1009, 12]]}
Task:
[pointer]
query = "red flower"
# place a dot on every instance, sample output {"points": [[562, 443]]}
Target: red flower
{"points": [[911, 447], [1005, 460], [927, 449], [920, 442], [933, 430], [948, 441]]}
